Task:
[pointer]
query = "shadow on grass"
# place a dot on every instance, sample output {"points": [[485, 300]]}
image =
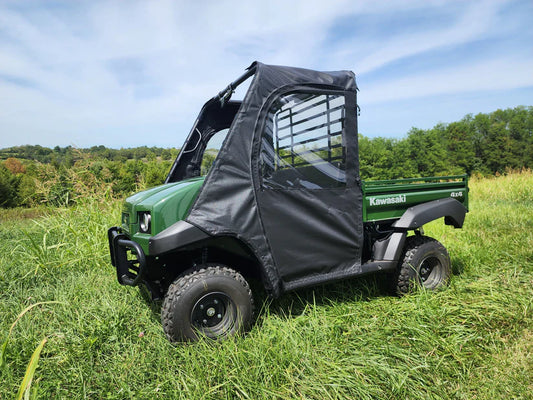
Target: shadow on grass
{"points": [[154, 305], [458, 266], [366, 288]]}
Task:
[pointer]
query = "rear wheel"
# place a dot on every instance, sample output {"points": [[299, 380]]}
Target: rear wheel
{"points": [[212, 300], [425, 263]]}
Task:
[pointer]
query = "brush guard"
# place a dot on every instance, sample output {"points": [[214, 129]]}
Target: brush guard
{"points": [[130, 271]]}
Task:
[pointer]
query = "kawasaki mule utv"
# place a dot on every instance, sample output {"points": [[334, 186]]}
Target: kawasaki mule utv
{"points": [[282, 202]]}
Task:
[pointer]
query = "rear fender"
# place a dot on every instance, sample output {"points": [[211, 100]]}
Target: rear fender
{"points": [[415, 217], [390, 248]]}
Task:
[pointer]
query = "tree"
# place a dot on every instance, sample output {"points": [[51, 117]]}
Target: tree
{"points": [[8, 188], [14, 166], [427, 150], [460, 147]]}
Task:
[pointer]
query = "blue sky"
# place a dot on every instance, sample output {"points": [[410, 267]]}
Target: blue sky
{"points": [[134, 73]]}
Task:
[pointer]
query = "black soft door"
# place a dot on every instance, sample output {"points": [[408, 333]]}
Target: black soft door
{"points": [[309, 200]]}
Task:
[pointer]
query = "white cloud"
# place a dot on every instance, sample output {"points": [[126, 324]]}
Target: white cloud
{"points": [[116, 66], [475, 23], [489, 75]]}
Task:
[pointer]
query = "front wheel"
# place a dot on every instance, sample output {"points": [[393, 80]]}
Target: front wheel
{"points": [[212, 300], [425, 263]]}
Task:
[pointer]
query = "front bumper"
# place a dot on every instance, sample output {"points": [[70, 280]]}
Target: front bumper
{"points": [[127, 257]]}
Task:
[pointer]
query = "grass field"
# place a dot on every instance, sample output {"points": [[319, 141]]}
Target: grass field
{"points": [[351, 340]]}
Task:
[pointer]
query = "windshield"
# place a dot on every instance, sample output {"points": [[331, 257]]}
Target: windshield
{"points": [[211, 150], [204, 141], [198, 153]]}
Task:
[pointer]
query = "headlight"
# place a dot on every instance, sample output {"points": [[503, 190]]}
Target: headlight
{"points": [[145, 220]]}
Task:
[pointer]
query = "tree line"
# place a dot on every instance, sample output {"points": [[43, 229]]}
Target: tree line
{"points": [[482, 144], [34, 175], [485, 144]]}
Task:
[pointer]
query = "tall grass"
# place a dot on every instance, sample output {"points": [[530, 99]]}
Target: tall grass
{"points": [[348, 340], [25, 387], [4, 344]]}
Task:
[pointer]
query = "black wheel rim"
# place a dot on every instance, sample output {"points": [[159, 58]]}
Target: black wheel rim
{"points": [[214, 314], [431, 272]]}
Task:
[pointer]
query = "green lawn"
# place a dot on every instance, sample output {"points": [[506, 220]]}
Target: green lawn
{"points": [[352, 340]]}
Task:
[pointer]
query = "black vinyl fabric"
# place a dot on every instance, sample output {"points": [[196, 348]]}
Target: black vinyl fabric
{"points": [[297, 234]]}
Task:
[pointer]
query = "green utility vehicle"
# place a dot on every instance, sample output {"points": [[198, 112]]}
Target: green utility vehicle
{"points": [[282, 202]]}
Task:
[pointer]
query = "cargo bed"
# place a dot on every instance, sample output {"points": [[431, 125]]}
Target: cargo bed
{"points": [[389, 199]]}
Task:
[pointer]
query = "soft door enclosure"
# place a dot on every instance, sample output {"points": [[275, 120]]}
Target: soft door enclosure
{"points": [[308, 198], [286, 179]]}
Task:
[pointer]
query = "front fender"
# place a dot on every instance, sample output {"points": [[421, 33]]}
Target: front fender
{"points": [[452, 210], [178, 235]]}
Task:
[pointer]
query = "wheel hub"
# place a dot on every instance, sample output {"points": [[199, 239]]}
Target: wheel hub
{"points": [[210, 310], [428, 267]]}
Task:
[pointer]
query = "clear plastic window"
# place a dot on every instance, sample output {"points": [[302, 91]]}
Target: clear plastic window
{"points": [[211, 150], [302, 143]]}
